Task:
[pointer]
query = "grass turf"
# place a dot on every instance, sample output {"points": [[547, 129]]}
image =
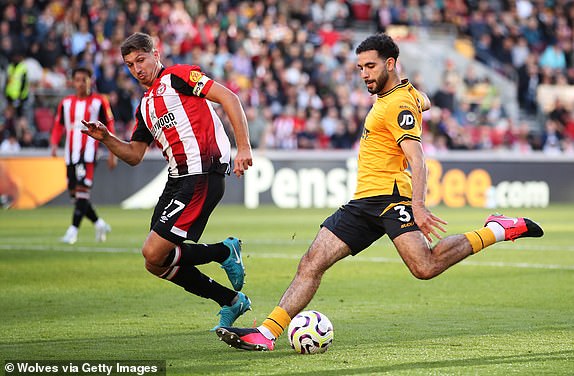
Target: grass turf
{"points": [[506, 310]]}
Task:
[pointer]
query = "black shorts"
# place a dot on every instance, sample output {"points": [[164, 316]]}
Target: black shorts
{"points": [[360, 222], [185, 205], [81, 173]]}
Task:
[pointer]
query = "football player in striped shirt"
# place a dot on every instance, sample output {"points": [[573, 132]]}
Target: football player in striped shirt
{"points": [[177, 115], [80, 151]]}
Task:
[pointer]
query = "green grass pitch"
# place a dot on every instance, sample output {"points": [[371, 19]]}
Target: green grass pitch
{"points": [[508, 310]]}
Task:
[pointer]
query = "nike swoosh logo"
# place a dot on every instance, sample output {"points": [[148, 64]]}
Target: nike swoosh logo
{"points": [[237, 257], [513, 220]]}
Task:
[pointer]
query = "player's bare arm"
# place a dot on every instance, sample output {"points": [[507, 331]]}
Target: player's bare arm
{"points": [[429, 223], [232, 107], [130, 152], [426, 103]]}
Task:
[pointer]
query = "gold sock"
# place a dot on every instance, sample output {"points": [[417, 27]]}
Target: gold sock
{"points": [[277, 321], [480, 239]]}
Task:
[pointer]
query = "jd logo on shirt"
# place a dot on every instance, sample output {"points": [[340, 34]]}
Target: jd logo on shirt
{"points": [[406, 120]]}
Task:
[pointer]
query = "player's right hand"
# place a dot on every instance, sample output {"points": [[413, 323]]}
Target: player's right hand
{"points": [[95, 130], [429, 224], [243, 159]]}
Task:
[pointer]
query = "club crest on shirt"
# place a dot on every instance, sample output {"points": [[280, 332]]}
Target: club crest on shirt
{"points": [[195, 76], [365, 134], [406, 120], [161, 89]]}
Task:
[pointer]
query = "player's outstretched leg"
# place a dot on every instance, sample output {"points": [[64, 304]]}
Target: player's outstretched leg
{"points": [[229, 313], [249, 339], [233, 265], [514, 228]]}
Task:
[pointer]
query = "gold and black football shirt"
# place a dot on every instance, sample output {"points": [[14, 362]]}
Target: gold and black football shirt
{"points": [[395, 116]]}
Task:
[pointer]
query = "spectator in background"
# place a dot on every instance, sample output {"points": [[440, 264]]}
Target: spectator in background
{"points": [[10, 144], [445, 96], [553, 57], [81, 40], [259, 119], [17, 82], [551, 138], [528, 80], [341, 138], [106, 82], [50, 50], [532, 34], [560, 113], [520, 52], [273, 35], [309, 137], [8, 125], [122, 106]]}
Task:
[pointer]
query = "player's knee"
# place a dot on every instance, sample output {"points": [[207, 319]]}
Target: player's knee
{"points": [[423, 271], [149, 267], [152, 257], [153, 269]]}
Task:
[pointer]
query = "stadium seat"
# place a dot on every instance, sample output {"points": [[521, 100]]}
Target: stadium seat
{"points": [[44, 119], [361, 10]]}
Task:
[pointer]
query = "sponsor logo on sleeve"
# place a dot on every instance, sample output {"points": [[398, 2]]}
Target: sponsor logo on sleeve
{"points": [[406, 120], [199, 85]]}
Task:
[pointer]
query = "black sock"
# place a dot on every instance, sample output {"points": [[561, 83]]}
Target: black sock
{"points": [[79, 211], [91, 213], [195, 282], [197, 254]]}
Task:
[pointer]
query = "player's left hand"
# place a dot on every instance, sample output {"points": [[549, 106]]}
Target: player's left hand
{"points": [[243, 159], [428, 223]]}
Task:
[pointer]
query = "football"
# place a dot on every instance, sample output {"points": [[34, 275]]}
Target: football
{"points": [[310, 332]]}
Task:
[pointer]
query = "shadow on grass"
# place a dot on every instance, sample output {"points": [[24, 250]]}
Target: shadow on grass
{"points": [[200, 347], [198, 353], [445, 364]]}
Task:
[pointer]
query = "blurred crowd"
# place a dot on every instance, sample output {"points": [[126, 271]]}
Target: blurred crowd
{"points": [[292, 65]]}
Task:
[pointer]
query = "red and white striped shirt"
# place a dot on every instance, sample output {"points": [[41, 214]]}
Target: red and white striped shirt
{"points": [[184, 125], [71, 111]]}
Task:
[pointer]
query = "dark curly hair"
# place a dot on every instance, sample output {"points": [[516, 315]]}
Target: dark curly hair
{"points": [[382, 43]]}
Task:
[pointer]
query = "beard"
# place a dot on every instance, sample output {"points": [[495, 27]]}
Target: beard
{"points": [[379, 83]]}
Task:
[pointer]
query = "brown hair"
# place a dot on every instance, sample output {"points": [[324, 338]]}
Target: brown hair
{"points": [[137, 42]]}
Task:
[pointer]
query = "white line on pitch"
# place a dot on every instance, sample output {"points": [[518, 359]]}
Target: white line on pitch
{"points": [[65, 248]]}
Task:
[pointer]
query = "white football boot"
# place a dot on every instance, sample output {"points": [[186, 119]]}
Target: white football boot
{"points": [[71, 235], [102, 230]]}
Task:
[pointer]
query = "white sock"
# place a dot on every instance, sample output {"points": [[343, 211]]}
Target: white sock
{"points": [[73, 229], [100, 222], [498, 230], [266, 332]]}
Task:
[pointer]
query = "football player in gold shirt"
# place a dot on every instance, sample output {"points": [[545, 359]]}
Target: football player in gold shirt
{"points": [[388, 200]]}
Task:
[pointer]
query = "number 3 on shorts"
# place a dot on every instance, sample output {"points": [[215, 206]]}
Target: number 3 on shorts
{"points": [[404, 215]]}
